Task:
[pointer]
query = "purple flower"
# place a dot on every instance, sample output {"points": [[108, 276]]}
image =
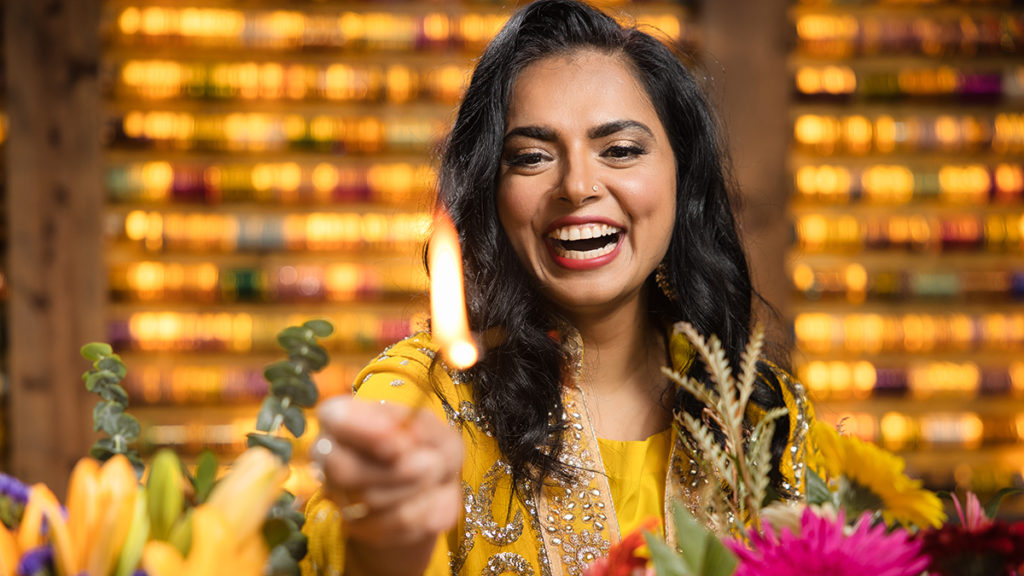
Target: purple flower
{"points": [[13, 497], [36, 562]]}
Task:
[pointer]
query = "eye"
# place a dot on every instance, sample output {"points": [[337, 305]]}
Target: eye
{"points": [[624, 151], [526, 159]]}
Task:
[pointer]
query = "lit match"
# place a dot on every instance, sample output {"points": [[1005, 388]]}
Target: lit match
{"points": [[448, 319]]}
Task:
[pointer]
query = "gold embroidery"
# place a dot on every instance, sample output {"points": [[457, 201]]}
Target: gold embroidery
{"points": [[507, 563], [480, 517]]}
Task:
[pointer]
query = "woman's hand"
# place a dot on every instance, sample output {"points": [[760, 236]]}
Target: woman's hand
{"points": [[394, 472]]}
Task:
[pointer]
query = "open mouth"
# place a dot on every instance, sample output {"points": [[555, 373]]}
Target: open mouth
{"points": [[584, 242]]}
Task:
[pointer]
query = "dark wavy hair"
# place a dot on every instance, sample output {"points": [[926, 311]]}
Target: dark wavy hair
{"points": [[517, 384]]}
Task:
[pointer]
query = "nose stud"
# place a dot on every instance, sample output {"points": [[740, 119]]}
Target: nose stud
{"points": [[595, 187]]}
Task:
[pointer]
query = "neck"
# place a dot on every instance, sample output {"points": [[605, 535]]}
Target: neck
{"points": [[621, 347]]}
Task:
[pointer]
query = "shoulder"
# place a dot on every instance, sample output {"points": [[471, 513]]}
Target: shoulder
{"points": [[409, 372]]}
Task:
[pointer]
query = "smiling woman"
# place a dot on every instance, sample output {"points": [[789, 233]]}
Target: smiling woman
{"points": [[586, 180]]}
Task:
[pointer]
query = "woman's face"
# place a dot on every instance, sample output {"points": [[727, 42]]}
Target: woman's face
{"points": [[587, 190]]}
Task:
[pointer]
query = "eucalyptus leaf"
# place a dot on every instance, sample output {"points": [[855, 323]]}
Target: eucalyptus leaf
{"points": [[281, 563], [279, 446], [96, 381], [276, 531], [282, 369], [102, 453], [295, 336], [296, 544], [113, 364], [206, 475], [104, 411], [93, 351], [294, 421], [313, 355], [322, 328], [129, 427], [114, 393], [269, 410], [301, 390], [693, 534], [719, 560]]}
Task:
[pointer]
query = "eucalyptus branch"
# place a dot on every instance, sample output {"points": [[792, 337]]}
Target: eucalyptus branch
{"points": [[291, 389], [109, 416]]}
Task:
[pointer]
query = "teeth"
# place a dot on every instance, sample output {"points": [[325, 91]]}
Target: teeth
{"points": [[577, 255], [584, 232]]}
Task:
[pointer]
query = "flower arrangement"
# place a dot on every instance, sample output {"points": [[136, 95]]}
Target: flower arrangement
{"points": [[860, 513], [124, 518]]}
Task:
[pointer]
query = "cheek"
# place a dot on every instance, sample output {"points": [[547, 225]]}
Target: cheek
{"points": [[515, 213]]}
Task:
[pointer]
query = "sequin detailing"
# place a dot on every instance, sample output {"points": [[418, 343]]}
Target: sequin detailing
{"points": [[508, 563]]}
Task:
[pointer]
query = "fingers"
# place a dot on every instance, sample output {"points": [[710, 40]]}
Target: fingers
{"points": [[394, 473], [410, 520]]}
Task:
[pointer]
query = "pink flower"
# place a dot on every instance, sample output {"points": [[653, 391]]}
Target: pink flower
{"points": [[822, 547]]}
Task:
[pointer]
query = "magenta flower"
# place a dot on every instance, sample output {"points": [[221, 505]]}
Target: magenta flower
{"points": [[823, 547]]}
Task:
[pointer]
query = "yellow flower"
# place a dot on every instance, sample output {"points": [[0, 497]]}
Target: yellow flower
{"points": [[226, 535], [872, 478]]}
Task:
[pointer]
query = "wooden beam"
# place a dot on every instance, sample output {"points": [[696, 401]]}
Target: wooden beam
{"points": [[745, 47], [55, 260]]}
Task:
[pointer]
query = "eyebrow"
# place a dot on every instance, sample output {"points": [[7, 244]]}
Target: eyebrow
{"points": [[600, 131]]}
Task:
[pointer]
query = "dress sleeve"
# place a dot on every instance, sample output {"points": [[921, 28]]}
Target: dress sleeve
{"points": [[406, 374]]}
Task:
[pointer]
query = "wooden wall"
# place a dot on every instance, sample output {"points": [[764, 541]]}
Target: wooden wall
{"points": [[55, 248]]}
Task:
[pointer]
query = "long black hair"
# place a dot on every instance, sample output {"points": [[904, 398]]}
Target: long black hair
{"points": [[517, 384]]}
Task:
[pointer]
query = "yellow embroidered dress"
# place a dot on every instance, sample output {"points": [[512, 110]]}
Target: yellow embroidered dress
{"points": [[557, 531]]}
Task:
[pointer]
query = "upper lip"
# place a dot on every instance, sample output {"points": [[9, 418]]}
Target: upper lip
{"points": [[565, 225]]}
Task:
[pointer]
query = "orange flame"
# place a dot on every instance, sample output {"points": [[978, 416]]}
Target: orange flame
{"points": [[447, 295]]}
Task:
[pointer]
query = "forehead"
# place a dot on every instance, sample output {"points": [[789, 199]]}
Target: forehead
{"points": [[585, 86]]}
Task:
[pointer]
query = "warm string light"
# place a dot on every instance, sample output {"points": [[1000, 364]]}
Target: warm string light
{"points": [[449, 323]]}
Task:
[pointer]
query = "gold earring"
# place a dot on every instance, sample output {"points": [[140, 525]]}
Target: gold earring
{"points": [[661, 278]]}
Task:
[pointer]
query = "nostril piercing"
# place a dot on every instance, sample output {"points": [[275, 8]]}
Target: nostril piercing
{"points": [[595, 187]]}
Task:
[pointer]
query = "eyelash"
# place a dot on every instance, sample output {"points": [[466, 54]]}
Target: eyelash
{"points": [[528, 159], [614, 152], [622, 152]]}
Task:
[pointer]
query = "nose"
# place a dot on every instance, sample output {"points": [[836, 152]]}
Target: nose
{"points": [[579, 183]]}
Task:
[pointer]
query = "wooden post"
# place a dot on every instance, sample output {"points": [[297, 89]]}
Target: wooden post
{"points": [[745, 47], [56, 264]]}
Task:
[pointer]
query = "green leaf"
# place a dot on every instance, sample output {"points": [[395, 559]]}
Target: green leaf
{"points": [[282, 369], [114, 393], [666, 561], [992, 506], [281, 563], [294, 421], [269, 410], [206, 475], [102, 450], [104, 411], [720, 560], [294, 336], [276, 531], [322, 328], [279, 446], [128, 427], [703, 553], [97, 380], [296, 544], [302, 391], [93, 351], [817, 489], [313, 355], [114, 365]]}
